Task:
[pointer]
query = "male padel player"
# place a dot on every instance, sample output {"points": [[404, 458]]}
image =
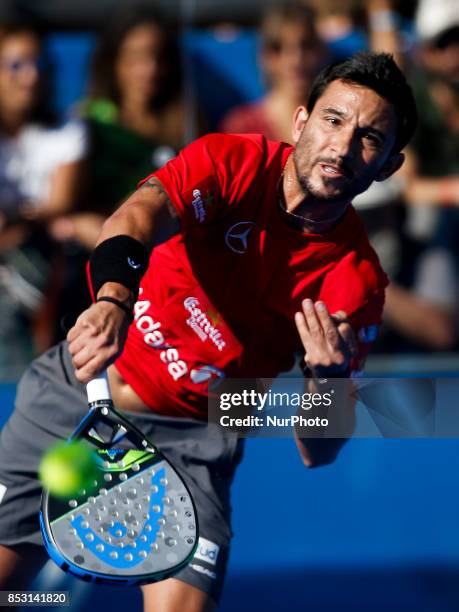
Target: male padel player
{"points": [[219, 251]]}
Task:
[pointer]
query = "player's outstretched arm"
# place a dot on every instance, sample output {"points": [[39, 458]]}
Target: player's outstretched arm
{"points": [[329, 343], [98, 336]]}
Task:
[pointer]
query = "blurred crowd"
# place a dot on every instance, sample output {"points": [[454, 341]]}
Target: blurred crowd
{"points": [[59, 179]]}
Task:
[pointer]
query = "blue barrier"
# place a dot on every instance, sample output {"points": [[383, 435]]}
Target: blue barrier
{"points": [[70, 55]]}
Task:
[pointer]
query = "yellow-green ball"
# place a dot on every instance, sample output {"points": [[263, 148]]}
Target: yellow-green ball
{"points": [[67, 468]]}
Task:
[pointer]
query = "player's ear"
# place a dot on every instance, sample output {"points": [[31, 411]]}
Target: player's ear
{"points": [[391, 165], [300, 116]]}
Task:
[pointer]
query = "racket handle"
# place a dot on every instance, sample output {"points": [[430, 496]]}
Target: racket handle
{"points": [[98, 389]]}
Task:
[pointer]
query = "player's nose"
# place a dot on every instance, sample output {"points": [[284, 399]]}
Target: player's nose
{"points": [[345, 144]]}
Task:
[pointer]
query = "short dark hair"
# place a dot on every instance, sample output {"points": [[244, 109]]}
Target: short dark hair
{"points": [[379, 72]]}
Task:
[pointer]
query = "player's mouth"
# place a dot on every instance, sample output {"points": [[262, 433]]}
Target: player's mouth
{"points": [[333, 171]]}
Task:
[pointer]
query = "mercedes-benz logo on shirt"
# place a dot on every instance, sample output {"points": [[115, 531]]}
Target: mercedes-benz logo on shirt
{"points": [[237, 236]]}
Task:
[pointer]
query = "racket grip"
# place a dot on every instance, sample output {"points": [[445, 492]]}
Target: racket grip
{"points": [[98, 389]]}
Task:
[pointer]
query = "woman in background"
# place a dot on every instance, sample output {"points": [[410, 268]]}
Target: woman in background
{"points": [[135, 107], [40, 175], [135, 113], [136, 117]]}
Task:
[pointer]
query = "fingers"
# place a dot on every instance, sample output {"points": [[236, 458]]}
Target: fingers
{"points": [[90, 369], [315, 321], [328, 339], [328, 325], [96, 340], [315, 317], [99, 349], [302, 328], [309, 325], [92, 359], [346, 332]]}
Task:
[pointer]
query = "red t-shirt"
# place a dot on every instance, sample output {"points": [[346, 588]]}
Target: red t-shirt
{"points": [[219, 298]]}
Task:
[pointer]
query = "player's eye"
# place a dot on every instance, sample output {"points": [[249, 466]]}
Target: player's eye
{"points": [[373, 141], [333, 120]]}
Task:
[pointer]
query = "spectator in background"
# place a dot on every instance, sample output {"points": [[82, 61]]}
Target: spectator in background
{"points": [[137, 120], [40, 174], [291, 56], [428, 313], [135, 107], [434, 176], [135, 112], [341, 24]]}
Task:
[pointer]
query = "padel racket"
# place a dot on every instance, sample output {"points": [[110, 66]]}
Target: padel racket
{"points": [[135, 523]]}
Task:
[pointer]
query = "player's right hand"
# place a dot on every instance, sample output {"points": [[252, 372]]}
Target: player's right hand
{"points": [[328, 340], [97, 339]]}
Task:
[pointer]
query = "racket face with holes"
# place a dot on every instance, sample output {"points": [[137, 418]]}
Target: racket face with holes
{"points": [[135, 523]]}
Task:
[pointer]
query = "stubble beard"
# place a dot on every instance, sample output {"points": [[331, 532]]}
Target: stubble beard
{"points": [[311, 192]]}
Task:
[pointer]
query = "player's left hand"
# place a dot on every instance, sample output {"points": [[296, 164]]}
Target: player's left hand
{"points": [[328, 340]]}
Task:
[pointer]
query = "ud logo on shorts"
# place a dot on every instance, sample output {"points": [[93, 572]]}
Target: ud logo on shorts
{"points": [[237, 236], [207, 551]]}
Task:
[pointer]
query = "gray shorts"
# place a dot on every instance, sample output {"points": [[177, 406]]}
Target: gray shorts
{"points": [[50, 402]]}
